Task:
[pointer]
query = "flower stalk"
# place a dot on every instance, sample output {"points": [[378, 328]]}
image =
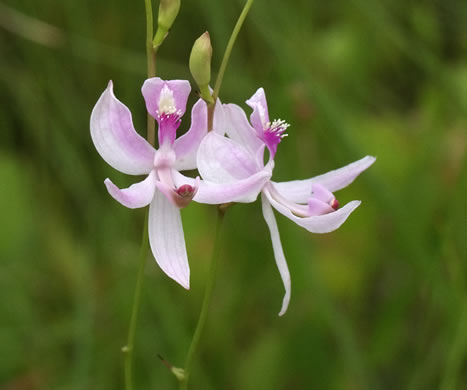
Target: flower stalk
{"points": [[151, 136], [225, 61], [151, 65]]}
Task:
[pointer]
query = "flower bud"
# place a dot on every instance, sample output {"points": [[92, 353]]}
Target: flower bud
{"points": [[200, 65], [168, 11]]}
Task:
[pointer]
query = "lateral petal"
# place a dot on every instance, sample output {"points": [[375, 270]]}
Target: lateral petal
{"points": [[241, 191], [239, 129], [115, 137], [300, 190], [186, 146], [260, 116], [222, 160], [167, 240], [137, 195], [278, 252], [320, 223], [218, 122]]}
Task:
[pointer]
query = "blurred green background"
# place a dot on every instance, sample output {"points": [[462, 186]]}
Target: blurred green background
{"points": [[378, 304]]}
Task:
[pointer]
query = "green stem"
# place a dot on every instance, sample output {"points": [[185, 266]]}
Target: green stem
{"points": [[228, 50], [206, 301], [128, 348], [151, 65], [151, 135]]}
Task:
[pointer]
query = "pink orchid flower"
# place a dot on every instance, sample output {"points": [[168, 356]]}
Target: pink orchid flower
{"points": [[164, 189], [309, 203]]}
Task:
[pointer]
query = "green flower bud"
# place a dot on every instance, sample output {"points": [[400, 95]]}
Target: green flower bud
{"points": [[200, 65], [168, 11]]}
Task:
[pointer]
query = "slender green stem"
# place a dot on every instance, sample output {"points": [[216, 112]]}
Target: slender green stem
{"points": [[228, 50], [128, 348], [151, 64], [206, 300], [151, 135]]}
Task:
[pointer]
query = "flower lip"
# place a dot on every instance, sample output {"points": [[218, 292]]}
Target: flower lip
{"points": [[185, 191], [321, 202]]}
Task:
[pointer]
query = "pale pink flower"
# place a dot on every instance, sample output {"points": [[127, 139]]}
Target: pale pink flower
{"points": [[309, 203]]}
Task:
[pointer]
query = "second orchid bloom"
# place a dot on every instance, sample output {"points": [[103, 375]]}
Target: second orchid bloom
{"points": [[230, 160], [235, 150]]}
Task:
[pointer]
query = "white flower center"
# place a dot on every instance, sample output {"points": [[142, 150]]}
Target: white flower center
{"points": [[166, 102]]}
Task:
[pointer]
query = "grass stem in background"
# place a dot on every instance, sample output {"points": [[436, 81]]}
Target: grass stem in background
{"points": [[206, 300], [129, 347]]}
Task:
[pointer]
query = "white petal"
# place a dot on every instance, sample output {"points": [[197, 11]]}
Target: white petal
{"points": [[186, 146], [115, 138], [167, 239], [239, 129], [278, 252], [259, 117], [218, 123], [300, 190], [137, 195], [317, 224], [241, 191], [222, 160]]}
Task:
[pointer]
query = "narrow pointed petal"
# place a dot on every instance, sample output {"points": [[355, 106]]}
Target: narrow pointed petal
{"points": [[186, 146], [222, 160], [317, 224], [167, 240], [239, 129], [241, 191], [115, 137], [278, 252], [300, 190], [137, 195], [260, 115], [152, 92]]}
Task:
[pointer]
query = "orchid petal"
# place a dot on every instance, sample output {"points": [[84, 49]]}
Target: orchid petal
{"points": [[115, 137], [186, 146], [278, 252], [320, 223], [241, 191], [152, 92], [300, 190], [239, 129], [167, 240], [260, 116], [222, 160], [137, 195], [218, 122]]}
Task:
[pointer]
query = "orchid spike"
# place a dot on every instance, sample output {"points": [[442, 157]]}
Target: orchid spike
{"points": [[239, 155]]}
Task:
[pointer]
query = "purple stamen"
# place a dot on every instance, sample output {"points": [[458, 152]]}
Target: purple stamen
{"points": [[273, 133]]}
